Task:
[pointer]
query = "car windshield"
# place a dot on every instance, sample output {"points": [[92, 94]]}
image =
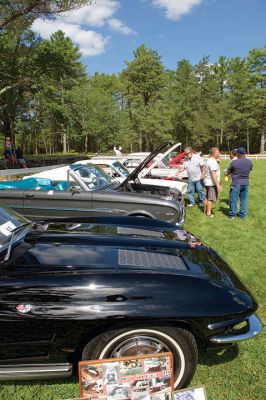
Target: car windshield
{"points": [[94, 177], [165, 160], [9, 221], [120, 167]]}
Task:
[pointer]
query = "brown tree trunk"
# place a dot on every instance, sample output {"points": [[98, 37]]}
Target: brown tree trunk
{"points": [[7, 126], [140, 142], [86, 143], [248, 144], [64, 141], [36, 146], [222, 135], [262, 141]]}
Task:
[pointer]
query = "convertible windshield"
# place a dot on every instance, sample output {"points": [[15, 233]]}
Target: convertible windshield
{"points": [[9, 221], [120, 167], [94, 177]]}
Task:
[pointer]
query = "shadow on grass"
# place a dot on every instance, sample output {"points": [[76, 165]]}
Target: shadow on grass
{"points": [[224, 201], [224, 210], [218, 356]]}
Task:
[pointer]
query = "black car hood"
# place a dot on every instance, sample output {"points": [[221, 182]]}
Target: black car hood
{"points": [[119, 249], [135, 173]]}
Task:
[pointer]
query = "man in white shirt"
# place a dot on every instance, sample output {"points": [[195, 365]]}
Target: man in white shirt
{"points": [[212, 180], [193, 164], [117, 151]]}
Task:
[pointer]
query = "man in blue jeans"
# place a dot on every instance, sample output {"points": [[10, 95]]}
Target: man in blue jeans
{"points": [[239, 171], [193, 164]]}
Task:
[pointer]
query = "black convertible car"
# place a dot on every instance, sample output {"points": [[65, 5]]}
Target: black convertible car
{"points": [[120, 286]]}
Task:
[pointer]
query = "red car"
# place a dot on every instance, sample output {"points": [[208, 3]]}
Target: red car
{"points": [[178, 160]]}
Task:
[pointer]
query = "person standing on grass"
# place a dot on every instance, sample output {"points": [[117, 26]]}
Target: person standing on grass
{"points": [[239, 171], [212, 180], [117, 151], [233, 155], [9, 152], [193, 164], [20, 157]]}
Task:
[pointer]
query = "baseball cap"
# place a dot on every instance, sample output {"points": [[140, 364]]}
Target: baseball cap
{"points": [[241, 151]]}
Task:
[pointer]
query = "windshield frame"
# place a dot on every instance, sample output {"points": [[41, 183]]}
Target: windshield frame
{"points": [[102, 179]]}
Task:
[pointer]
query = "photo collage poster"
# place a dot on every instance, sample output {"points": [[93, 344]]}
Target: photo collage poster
{"points": [[139, 378]]}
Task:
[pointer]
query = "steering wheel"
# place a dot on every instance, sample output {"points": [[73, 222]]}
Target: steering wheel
{"points": [[130, 187]]}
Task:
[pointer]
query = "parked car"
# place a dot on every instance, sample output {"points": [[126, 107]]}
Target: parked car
{"points": [[92, 288], [119, 172], [146, 172], [89, 191], [153, 165]]}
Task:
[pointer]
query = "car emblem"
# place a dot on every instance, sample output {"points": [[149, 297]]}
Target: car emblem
{"points": [[24, 308]]}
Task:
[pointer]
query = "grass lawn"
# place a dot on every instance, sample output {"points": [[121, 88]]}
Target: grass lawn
{"points": [[239, 372]]}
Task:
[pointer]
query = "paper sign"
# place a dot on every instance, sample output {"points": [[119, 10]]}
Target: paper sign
{"points": [[7, 228], [196, 393]]}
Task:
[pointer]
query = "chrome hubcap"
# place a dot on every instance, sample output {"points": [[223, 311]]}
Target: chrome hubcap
{"points": [[139, 345]]}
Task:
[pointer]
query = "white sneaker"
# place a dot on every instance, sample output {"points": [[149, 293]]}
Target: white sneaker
{"points": [[190, 205]]}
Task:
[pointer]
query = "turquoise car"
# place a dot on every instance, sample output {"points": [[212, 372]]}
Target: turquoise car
{"points": [[33, 184]]}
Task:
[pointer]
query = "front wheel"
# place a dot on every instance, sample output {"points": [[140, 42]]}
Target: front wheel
{"points": [[132, 342]]}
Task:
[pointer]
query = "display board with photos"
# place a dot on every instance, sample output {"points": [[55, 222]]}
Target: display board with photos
{"points": [[147, 377]]}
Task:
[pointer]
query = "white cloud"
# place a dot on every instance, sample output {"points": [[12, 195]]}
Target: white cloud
{"points": [[75, 25], [118, 26], [95, 15], [175, 9], [90, 42]]}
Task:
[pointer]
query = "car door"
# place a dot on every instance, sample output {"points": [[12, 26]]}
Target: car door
{"points": [[109, 203], [12, 198], [46, 308], [40, 204]]}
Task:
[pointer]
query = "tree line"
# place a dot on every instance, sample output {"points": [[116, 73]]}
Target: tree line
{"points": [[50, 104]]}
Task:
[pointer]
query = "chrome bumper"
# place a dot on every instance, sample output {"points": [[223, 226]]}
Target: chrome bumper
{"points": [[254, 328]]}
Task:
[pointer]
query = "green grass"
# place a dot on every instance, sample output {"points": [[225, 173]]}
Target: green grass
{"points": [[239, 372]]}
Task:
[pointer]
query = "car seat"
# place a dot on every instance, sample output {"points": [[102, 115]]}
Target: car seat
{"points": [[63, 185]]}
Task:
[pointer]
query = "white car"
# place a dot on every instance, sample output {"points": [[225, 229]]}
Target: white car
{"points": [[158, 169], [142, 174], [121, 174]]}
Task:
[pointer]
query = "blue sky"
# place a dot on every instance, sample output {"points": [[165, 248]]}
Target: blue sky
{"points": [[110, 30]]}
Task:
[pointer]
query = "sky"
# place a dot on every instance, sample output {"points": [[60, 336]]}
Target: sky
{"points": [[109, 31]]}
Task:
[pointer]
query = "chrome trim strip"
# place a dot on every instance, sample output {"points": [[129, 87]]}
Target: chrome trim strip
{"points": [[167, 214], [255, 327], [93, 210], [57, 208], [35, 371], [108, 210]]}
